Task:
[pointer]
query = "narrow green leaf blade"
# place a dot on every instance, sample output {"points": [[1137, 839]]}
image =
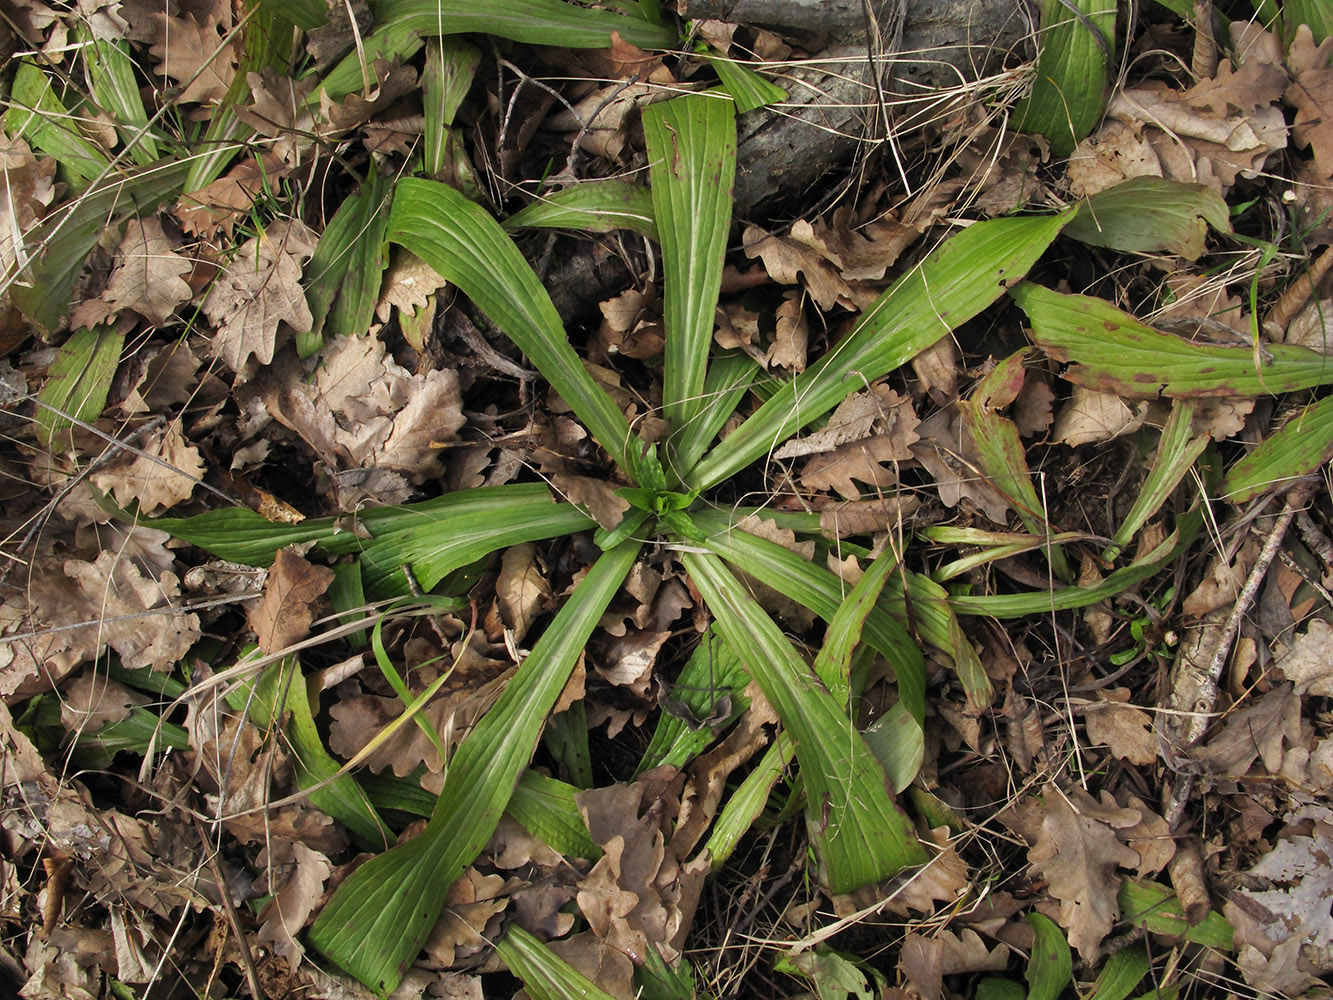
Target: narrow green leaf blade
{"points": [[819, 590], [859, 833], [468, 247], [116, 89], [1147, 214], [1177, 451], [1156, 908], [548, 809], [747, 88], [1122, 972], [342, 279], [833, 663], [77, 384], [378, 919], [954, 283], [592, 206], [64, 239], [1111, 351], [37, 114], [692, 165], [545, 975], [1301, 447]]}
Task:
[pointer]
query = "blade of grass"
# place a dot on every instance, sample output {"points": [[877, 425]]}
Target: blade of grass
{"points": [[1155, 908], [77, 384], [593, 206], [729, 374], [1122, 972], [692, 165], [1300, 448], [1000, 454], [545, 975], [859, 833], [342, 279], [1111, 351], [953, 284], [115, 88], [1177, 451], [747, 88], [822, 592], [59, 245], [378, 919], [1050, 966], [37, 114], [468, 247]]}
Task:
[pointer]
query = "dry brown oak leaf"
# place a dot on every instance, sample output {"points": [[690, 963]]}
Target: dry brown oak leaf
{"points": [[1078, 853], [149, 277], [284, 614], [259, 289]]}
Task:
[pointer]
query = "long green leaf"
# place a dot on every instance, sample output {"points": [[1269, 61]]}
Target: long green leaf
{"points": [[116, 89], [545, 975], [60, 243], [342, 279], [593, 206], [1155, 908], [953, 284], [1051, 966], [1122, 972], [468, 247], [859, 833], [822, 592], [37, 114], [1177, 452], [729, 375], [1111, 351], [77, 384], [1069, 92], [403, 25], [692, 165], [379, 918], [1303, 445], [1145, 214]]}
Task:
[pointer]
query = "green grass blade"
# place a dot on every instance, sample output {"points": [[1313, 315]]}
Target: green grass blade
{"points": [[746, 803], [1111, 351], [37, 114], [953, 284], [1051, 966], [833, 664], [747, 88], [994, 988], [342, 279], [548, 809], [729, 375], [692, 164], [1177, 451], [1122, 972], [713, 672], [593, 206], [898, 743], [1065, 598], [468, 247], [859, 833], [1315, 13], [822, 592], [545, 975], [116, 90], [60, 244], [1300, 448], [1001, 456], [1147, 214], [378, 919], [537, 22], [1155, 908], [1069, 92], [77, 384]]}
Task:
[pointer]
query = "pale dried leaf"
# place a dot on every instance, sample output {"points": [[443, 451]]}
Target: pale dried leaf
{"points": [[196, 56], [1309, 662], [1258, 730], [521, 589], [92, 701], [148, 277], [791, 336], [286, 913], [1091, 416]]}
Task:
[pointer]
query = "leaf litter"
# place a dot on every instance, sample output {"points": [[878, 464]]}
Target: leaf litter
{"points": [[107, 626]]}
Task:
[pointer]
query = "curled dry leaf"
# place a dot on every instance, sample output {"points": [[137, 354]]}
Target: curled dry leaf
{"points": [[1125, 730], [196, 56]]}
